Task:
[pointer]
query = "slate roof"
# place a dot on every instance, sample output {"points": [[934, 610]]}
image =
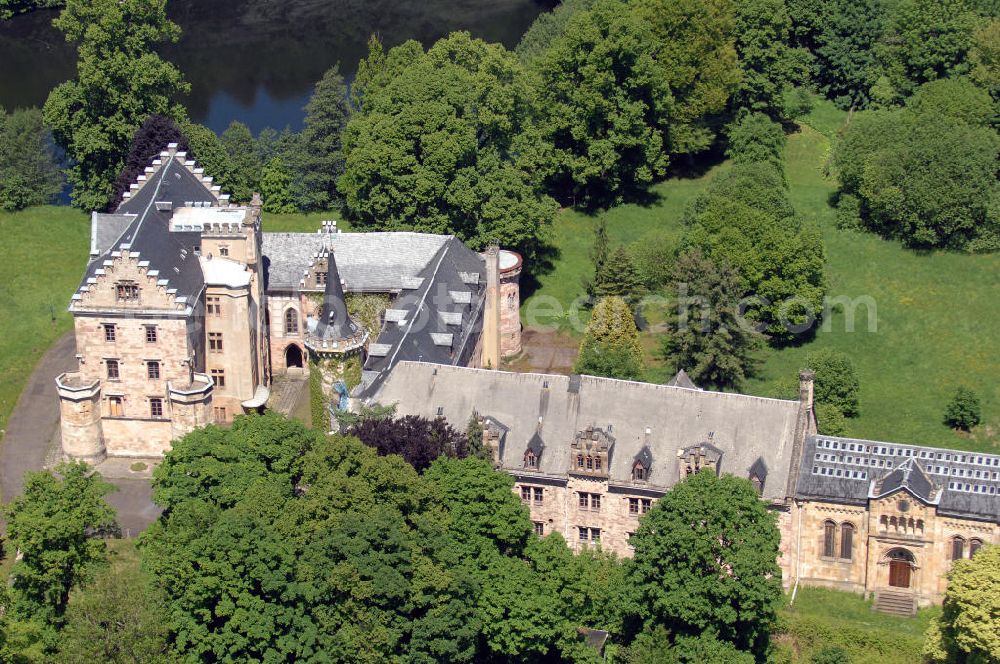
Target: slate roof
{"points": [[368, 262], [148, 232], [105, 229], [743, 428], [851, 470], [681, 379], [335, 324]]}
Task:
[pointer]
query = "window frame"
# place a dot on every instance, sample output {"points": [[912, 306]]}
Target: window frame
{"points": [[114, 375], [219, 377], [152, 335], [829, 539], [153, 370], [847, 541], [215, 342], [116, 406], [291, 321], [156, 404], [957, 547], [110, 332]]}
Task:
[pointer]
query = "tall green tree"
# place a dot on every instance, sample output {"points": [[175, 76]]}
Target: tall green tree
{"points": [[29, 174], [53, 525], [604, 104], [120, 81], [610, 345], [276, 187], [239, 144], [706, 560], [327, 114], [708, 339], [697, 53], [617, 276], [448, 146], [964, 411]]}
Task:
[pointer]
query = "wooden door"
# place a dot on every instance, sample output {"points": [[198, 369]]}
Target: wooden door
{"points": [[899, 573]]}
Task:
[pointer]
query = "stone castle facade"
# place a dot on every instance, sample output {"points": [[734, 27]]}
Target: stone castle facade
{"points": [[188, 308], [590, 456]]}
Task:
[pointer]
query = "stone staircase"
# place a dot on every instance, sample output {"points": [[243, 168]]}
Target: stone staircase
{"points": [[896, 602], [285, 391]]}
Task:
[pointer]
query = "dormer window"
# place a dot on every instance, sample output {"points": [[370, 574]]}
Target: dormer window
{"points": [[590, 452], [530, 460], [127, 292], [579, 461], [638, 472], [697, 457]]}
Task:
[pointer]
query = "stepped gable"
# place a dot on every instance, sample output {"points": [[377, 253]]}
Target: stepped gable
{"points": [[661, 418], [850, 470], [169, 183]]}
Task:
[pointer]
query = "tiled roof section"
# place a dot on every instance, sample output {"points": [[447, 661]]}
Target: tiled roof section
{"points": [[851, 470], [368, 262], [148, 234], [105, 229], [432, 310], [744, 427]]}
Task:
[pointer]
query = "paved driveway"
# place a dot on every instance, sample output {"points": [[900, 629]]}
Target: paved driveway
{"points": [[32, 432]]}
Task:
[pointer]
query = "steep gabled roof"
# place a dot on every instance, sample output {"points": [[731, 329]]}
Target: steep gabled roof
{"points": [[681, 379], [908, 475]]}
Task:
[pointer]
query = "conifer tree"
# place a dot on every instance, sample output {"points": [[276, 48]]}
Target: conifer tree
{"points": [[610, 345], [708, 341], [598, 254], [322, 157], [617, 276]]}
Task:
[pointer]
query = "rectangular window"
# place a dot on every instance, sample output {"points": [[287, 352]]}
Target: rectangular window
{"points": [[846, 541], [220, 413], [597, 463], [321, 278], [538, 495], [109, 332], [127, 291], [113, 373], [584, 499], [829, 535], [633, 506], [153, 370], [219, 376], [590, 463], [215, 342], [595, 534], [115, 407], [213, 305], [595, 501], [583, 533], [223, 251], [579, 461], [150, 334], [646, 504], [526, 493], [539, 528], [156, 407]]}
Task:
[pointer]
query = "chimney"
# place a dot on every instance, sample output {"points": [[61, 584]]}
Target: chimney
{"points": [[807, 378], [491, 317]]}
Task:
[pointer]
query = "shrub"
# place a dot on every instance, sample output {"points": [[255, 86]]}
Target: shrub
{"points": [[830, 420]]}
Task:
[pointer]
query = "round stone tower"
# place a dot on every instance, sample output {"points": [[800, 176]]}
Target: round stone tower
{"points": [[80, 411], [510, 303]]}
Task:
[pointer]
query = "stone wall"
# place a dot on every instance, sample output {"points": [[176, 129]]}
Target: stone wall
{"points": [[510, 306]]}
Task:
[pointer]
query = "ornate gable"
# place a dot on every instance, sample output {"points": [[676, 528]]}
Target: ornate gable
{"points": [[125, 281]]}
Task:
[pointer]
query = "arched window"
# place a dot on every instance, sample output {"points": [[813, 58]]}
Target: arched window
{"points": [[638, 472], [893, 523], [829, 539], [974, 546], [957, 548], [884, 522], [291, 322], [590, 462], [846, 541], [920, 526]]}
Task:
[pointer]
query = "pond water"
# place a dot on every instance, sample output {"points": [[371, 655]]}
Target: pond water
{"points": [[257, 60]]}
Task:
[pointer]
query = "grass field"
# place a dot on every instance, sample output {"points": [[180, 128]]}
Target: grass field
{"points": [[937, 313], [824, 618], [44, 253]]}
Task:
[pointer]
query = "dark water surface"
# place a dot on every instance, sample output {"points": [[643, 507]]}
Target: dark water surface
{"points": [[257, 60]]}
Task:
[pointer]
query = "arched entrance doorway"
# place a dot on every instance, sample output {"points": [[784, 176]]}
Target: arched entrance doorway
{"points": [[293, 357], [900, 566]]}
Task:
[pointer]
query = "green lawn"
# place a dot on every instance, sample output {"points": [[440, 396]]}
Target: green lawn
{"points": [[300, 222], [937, 313], [823, 618], [44, 253]]}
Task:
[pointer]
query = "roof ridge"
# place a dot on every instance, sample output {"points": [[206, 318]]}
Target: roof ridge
{"points": [[636, 383]]}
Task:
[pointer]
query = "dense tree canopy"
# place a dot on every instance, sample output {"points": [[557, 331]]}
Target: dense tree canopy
{"points": [[417, 439], [322, 160], [604, 105], [706, 560], [120, 81], [837, 382], [696, 51], [448, 146], [51, 524]]}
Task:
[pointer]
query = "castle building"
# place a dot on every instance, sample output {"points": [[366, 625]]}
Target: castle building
{"points": [[188, 308], [589, 456]]}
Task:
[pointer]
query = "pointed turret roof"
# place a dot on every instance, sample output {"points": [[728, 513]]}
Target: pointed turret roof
{"points": [[335, 323]]}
